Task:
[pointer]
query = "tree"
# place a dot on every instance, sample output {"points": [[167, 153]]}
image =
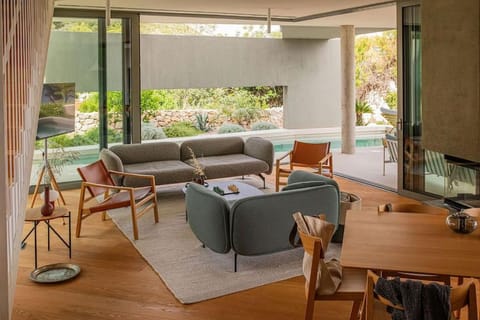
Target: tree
{"points": [[376, 64]]}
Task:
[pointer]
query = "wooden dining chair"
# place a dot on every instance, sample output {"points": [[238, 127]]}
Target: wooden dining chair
{"points": [[316, 156], [98, 181], [460, 296], [350, 289], [413, 208]]}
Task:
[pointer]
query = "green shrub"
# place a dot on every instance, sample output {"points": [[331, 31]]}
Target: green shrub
{"points": [[181, 129], [114, 102], [90, 104], [230, 128], [88, 138], [247, 115], [153, 100], [263, 125], [151, 132], [51, 110], [391, 99]]}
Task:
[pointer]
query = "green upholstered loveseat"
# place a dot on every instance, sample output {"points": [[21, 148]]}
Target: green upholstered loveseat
{"points": [[170, 162], [259, 224]]}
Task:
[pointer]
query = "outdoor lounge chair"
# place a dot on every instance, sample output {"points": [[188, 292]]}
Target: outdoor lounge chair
{"points": [[316, 156], [390, 144]]}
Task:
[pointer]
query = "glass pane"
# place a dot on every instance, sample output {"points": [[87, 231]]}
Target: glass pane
{"points": [[424, 170], [72, 58], [413, 171], [115, 72]]}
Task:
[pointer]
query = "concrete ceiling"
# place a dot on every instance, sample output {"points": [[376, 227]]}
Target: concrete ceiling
{"points": [[361, 13]]}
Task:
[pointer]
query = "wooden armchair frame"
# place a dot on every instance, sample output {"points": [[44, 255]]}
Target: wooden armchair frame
{"points": [[460, 296], [322, 165], [351, 288], [133, 197]]}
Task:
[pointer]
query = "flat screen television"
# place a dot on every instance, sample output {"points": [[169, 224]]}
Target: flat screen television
{"points": [[57, 110]]}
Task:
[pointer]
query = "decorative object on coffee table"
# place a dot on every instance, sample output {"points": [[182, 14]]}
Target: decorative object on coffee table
{"points": [[199, 175], [461, 222]]}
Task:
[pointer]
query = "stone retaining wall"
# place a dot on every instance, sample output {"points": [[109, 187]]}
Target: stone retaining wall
{"points": [[164, 118]]}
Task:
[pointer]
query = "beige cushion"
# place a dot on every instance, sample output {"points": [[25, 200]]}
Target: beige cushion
{"points": [[165, 172]]}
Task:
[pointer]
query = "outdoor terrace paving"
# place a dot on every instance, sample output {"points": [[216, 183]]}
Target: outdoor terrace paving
{"points": [[366, 164]]}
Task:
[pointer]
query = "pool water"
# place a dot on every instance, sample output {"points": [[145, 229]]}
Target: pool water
{"points": [[284, 146]]}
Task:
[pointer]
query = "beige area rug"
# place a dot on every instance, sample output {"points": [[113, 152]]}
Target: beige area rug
{"points": [[193, 273]]}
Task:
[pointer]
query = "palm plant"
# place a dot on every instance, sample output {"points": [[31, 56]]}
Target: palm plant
{"points": [[361, 107]]}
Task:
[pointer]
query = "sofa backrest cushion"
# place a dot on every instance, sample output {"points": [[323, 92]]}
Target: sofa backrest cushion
{"points": [[112, 162], [262, 224], [305, 176], [209, 217], [211, 147], [300, 185], [147, 152]]}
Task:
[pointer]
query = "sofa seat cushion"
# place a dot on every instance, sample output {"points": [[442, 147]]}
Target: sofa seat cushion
{"points": [[230, 165], [167, 171]]}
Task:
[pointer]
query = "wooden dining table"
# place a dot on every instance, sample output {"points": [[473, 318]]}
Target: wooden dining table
{"points": [[409, 242]]}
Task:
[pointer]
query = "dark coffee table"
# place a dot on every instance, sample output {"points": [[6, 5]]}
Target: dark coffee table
{"points": [[245, 190]]}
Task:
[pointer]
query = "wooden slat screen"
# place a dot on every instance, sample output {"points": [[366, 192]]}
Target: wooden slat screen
{"points": [[25, 31]]}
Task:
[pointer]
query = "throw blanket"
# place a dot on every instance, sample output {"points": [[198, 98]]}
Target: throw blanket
{"points": [[420, 301]]}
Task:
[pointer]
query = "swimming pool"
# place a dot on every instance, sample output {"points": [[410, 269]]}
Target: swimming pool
{"points": [[284, 146]]}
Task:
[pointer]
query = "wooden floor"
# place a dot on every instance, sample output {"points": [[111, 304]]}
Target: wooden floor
{"points": [[116, 283]]}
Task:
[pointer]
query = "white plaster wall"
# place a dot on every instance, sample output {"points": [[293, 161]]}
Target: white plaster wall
{"points": [[310, 69]]}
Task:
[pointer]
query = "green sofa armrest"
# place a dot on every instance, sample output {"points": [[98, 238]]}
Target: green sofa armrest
{"points": [[209, 217]]}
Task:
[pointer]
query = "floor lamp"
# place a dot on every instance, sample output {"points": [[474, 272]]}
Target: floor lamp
{"points": [[46, 167]]}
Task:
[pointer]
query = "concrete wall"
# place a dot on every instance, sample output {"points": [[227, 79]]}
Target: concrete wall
{"points": [[310, 69], [451, 80]]}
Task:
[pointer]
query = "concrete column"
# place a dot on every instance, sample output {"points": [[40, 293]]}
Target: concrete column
{"points": [[347, 62]]}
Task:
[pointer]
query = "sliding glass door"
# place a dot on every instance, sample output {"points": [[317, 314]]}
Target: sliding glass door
{"points": [[96, 59], [421, 171]]}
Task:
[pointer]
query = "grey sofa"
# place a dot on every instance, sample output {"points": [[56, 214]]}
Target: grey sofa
{"points": [[170, 162], [259, 224]]}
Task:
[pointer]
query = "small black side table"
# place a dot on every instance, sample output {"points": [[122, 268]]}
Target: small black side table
{"points": [[34, 215]]}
